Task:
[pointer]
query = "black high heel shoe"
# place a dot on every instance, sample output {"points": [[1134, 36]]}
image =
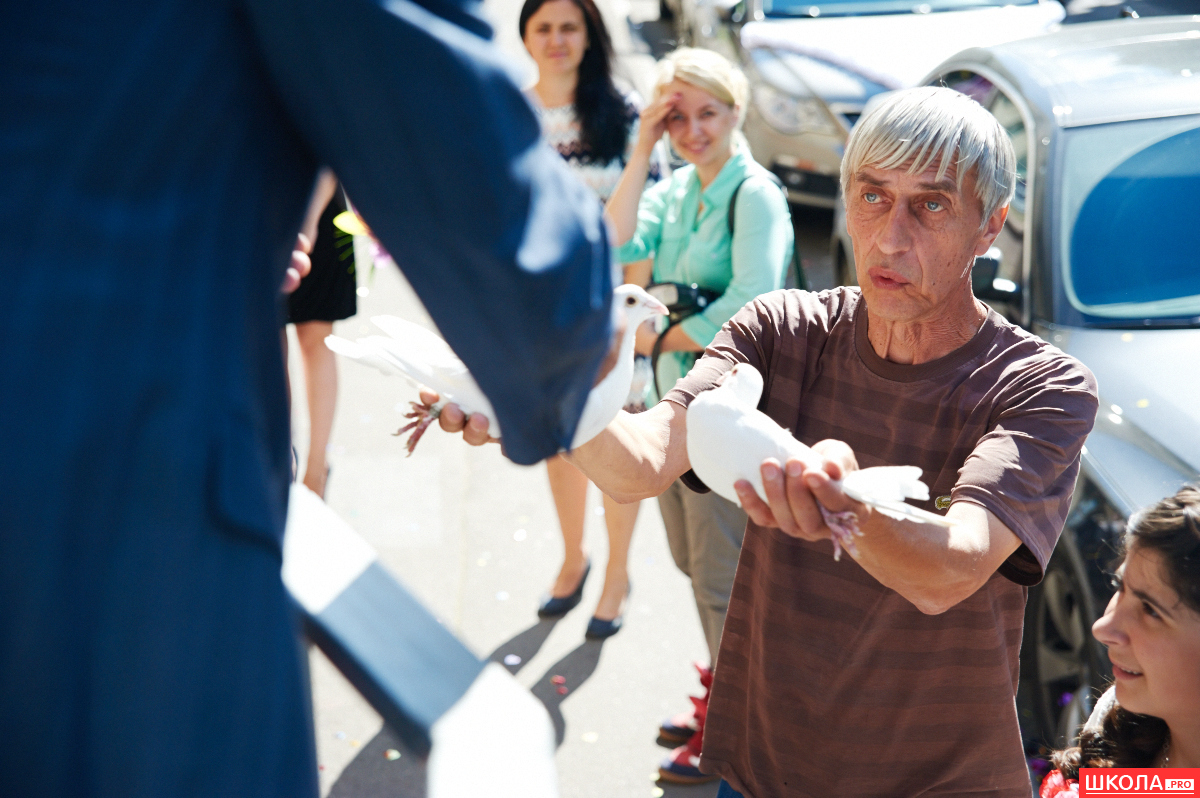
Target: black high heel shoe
{"points": [[598, 629], [552, 607]]}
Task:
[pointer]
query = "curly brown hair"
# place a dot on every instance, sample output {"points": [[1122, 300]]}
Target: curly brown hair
{"points": [[1126, 739]]}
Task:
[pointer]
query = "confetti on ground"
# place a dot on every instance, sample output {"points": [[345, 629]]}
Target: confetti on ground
{"points": [[1143, 402], [519, 535], [656, 792], [654, 776], [392, 754], [481, 562], [558, 679], [362, 290], [562, 691], [340, 735], [355, 743], [590, 737], [320, 767], [502, 595], [512, 659]]}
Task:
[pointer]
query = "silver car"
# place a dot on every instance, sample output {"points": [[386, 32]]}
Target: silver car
{"points": [[813, 64], [1100, 256]]}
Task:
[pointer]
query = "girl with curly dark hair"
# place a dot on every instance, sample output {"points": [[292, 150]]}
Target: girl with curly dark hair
{"points": [[593, 126], [1151, 716]]}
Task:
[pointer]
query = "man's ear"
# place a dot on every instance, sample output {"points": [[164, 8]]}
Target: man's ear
{"points": [[994, 225]]}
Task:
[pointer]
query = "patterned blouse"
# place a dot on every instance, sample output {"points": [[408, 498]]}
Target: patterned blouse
{"points": [[560, 127]]}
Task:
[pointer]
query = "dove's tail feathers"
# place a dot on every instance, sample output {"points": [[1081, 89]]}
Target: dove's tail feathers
{"points": [[906, 512], [885, 483], [363, 354]]}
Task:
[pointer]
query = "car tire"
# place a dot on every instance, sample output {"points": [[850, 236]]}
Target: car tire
{"points": [[1062, 665]]}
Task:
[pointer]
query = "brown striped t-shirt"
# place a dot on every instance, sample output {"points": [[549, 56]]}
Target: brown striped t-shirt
{"points": [[828, 683]]}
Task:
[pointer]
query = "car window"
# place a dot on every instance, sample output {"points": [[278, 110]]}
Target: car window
{"points": [[824, 8], [1009, 117], [1128, 235], [1011, 240]]}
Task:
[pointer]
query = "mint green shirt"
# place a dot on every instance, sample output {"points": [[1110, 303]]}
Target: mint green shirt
{"points": [[690, 245]]}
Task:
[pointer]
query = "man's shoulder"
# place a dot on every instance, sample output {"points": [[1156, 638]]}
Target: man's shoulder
{"points": [[1029, 357], [823, 308]]}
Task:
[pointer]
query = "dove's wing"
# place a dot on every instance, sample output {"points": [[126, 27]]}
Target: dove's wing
{"points": [[424, 344], [604, 401], [426, 358], [727, 442], [364, 353], [886, 487]]}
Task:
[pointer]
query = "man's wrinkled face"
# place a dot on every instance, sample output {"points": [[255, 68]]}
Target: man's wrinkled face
{"points": [[915, 238]]}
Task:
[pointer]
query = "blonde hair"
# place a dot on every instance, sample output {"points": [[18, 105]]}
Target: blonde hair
{"points": [[708, 71], [933, 123]]}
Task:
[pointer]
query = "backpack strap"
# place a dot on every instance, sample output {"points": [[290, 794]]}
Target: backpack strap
{"points": [[733, 198], [801, 281]]}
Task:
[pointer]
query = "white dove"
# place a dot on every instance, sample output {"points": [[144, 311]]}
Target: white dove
{"points": [[424, 359], [728, 438]]}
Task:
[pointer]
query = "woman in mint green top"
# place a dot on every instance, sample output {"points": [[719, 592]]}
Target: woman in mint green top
{"points": [[683, 223]]}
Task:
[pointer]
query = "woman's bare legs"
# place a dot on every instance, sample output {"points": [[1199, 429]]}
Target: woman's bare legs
{"points": [[620, 519], [320, 378], [569, 486]]}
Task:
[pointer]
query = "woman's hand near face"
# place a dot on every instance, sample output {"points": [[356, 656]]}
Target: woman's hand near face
{"points": [[622, 208], [654, 122]]}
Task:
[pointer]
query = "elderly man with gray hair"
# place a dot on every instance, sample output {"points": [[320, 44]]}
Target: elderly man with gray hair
{"points": [[892, 672]]}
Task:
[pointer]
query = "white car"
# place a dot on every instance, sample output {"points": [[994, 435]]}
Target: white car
{"points": [[813, 64]]}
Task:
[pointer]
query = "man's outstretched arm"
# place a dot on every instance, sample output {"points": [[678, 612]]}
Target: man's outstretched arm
{"points": [[440, 151], [636, 457], [931, 566]]}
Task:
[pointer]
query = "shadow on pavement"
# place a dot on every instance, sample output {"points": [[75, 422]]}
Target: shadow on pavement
{"points": [[524, 645], [575, 669], [372, 773]]}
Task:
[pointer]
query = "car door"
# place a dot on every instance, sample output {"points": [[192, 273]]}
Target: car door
{"points": [[1008, 287]]}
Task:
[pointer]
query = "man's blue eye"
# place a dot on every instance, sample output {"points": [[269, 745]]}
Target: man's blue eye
{"points": [[933, 206], [871, 197]]}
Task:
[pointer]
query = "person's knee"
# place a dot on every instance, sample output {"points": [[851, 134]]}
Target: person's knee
{"points": [[312, 335]]}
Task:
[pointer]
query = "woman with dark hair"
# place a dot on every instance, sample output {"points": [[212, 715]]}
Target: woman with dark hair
{"points": [[1150, 717], [594, 127], [583, 114]]}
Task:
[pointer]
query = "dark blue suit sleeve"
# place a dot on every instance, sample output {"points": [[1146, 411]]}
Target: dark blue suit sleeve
{"points": [[439, 151]]}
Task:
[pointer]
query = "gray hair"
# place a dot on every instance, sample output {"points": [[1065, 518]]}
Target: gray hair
{"points": [[922, 125]]}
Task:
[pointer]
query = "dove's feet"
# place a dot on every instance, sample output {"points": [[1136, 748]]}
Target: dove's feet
{"points": [[844, 526], [423, 415]]}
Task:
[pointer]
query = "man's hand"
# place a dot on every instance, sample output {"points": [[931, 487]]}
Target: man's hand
{"points": [[301, 265], [452, 419], [796, 488]]}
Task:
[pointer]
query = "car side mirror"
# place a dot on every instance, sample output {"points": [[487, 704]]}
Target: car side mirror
{"points": [[986, 285]]}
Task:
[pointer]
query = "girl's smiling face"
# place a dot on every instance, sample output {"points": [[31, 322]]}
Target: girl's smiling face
{"points": [[700, 125], [1153, 641]]}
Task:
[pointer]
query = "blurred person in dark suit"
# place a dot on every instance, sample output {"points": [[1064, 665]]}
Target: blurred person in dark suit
{"points": [[158, 156]]}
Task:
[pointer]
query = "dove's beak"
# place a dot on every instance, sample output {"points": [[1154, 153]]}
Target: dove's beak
{"points": [[658, 307]]}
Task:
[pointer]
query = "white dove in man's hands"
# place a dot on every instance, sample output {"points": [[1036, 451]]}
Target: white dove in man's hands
{"points": [[728, 439], [426, 361]]}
